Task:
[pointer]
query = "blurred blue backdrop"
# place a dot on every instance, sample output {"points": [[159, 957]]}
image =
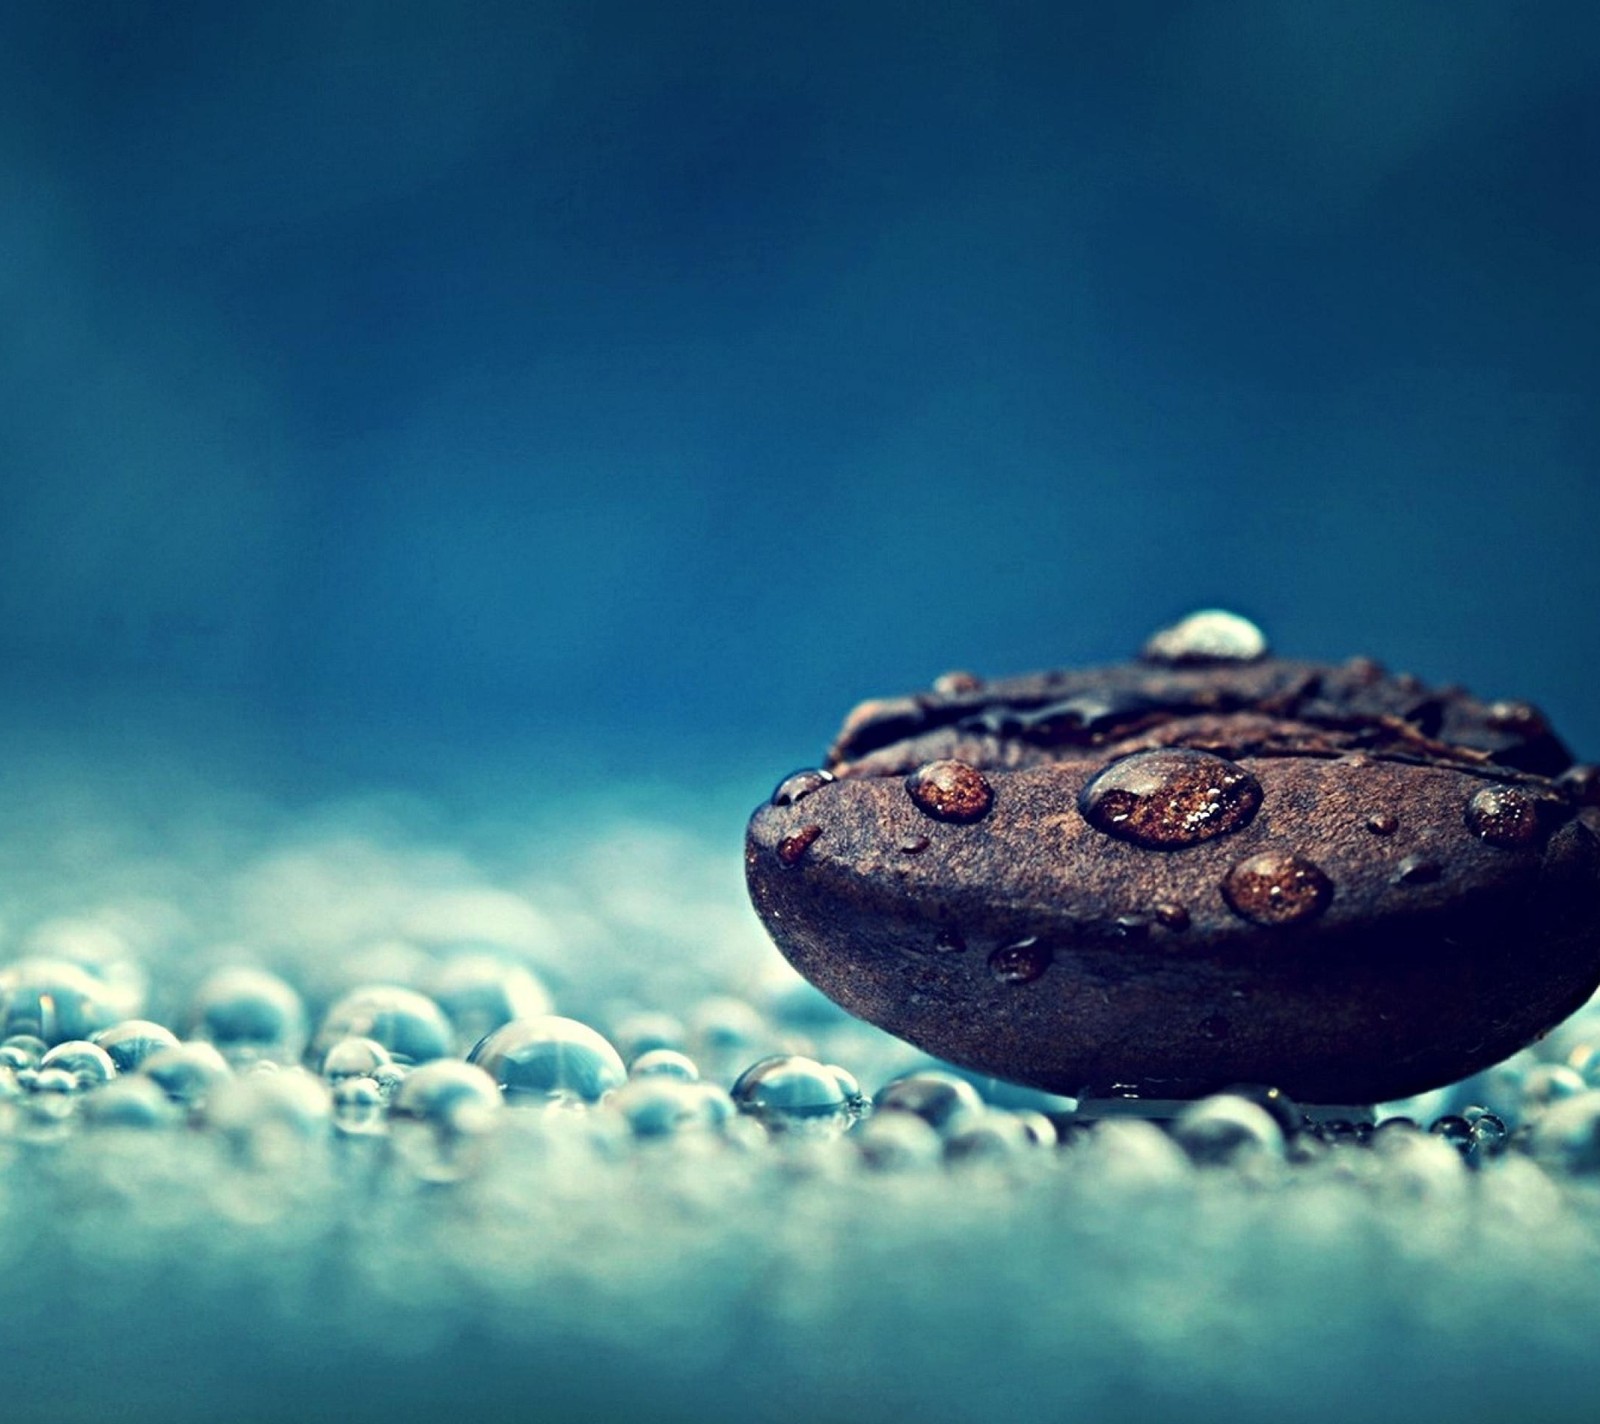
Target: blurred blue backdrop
{"points": [[664, 377]]}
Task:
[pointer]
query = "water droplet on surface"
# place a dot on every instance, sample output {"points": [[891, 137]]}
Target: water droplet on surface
{"points": [[1020, 963], [1211, 635], [22, 1050], [1276, 887], [1505, 816], [133, 1040], [1170, 915], [950, 790], [134, 1102], [1566, 1136], [250, 1015], [353, 1058], [992, 1136], [53, 1000], [664, 1063], [640, 1032], [447, 1093], [550, 1057], [661, 1106], [188, 1072], [947, 940], [270, 1118], [898, 1142], [358, 1107], [913, 845], [1383, 823], [88, 1063], [800, 784], [1417, 870], [1222, 1129], [409, 1024], [790, 1093], [942, 1100], [954, 684], [791, 849], [1170, 798]]}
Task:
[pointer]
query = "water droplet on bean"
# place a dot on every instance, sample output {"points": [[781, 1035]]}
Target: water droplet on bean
{"points": [[1383, 823], [791, 849], [1170, 798], [798, 785], [1170, 915], [1417, 870], [1211, 635], [1277, 887], [953, 684], [1505, 816], [1020, 963], [950, 791]]}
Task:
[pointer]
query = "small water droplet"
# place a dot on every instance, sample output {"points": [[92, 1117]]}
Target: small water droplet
{"points": [[1211, 635], [800, 784], [250, 1015], [1383, 823], [1170, 915], [665, 1063], [1417, 870], [133, 1040], [1276, 887], [88, 1063], [410, 1025], [358, 1107], [950, 791], [188, 1072], [953, 684], [1505, 816], [1130, 927], [948, 940], [1508, 715], [353, 1058], [792, 849], [913, 845], [790, 1093], [942, 1100], [1020, 963], [537, 1059], [1170, 798]]}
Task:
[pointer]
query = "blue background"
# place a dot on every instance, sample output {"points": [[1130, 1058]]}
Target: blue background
{"points": [[420, 386]]}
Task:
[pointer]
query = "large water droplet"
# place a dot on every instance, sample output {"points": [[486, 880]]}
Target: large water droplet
{"points": [[1277, 887], [1020, 963], [1211, 635], [250, 1015], [950, 791], [1170, 798], [550, 1057], [53, 1000], [133, 1040], [790, 1093], [800, 784], [1505, 816]]}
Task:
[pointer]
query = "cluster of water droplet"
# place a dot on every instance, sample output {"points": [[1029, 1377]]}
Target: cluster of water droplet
{"points": [[378, 1097]]}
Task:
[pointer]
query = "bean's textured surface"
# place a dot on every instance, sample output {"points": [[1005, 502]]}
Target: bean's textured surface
{"points": [[1203, 867]]}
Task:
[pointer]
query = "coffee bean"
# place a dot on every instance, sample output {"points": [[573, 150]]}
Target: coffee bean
{"points": [[1208, 835]]}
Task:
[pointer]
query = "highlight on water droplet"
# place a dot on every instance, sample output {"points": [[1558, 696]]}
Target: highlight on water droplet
{"points": [[1505, 816], [1170, 798]]}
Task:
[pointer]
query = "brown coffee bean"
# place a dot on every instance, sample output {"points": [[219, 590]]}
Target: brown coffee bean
{"points": [[1129, 856]]}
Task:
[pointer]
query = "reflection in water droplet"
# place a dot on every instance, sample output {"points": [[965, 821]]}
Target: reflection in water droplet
{"points": [[800, 784], [249, 1014], [790, 1093], [550, 1057], [950, 791], [187, 1072], [132, 1041], [664, 1063], [1505, 816], [1020, 963], [353, 1058], [53, 1000], [410, 1025], [942, 1100], [1417, 870], [791, 849], [1170, 798], [1383, 823], [1210, 635], [358, 1107], [1276, 887], [88, 1063]]}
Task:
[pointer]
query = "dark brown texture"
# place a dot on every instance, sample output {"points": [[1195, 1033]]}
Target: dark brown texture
{"points": [[1304, 944]]}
